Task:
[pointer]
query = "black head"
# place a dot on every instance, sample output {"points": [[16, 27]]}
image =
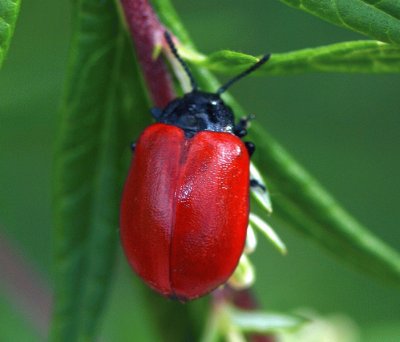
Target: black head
{"points": [[200, 111]]}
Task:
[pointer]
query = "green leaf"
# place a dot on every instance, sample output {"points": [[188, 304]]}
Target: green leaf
{"points": [[264, 323], [306, 206], [377, 19], [302, 202], [364, 56], [102, 112], [9, 10], [268, 232]]}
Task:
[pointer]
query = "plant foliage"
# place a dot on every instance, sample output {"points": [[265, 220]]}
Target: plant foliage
{"points": [[105, 106], [9, 10]]}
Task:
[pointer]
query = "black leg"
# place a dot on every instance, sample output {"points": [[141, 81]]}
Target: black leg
{"points": [[250, 147], [240, 131], [133, 146], [254, 183], [241, 128]]}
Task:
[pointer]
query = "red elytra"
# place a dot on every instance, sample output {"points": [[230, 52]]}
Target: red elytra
{"points": [[185, 209], [185, 205]]}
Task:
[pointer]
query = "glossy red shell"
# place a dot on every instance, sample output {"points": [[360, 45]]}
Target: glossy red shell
{"points": [[185, 209]]}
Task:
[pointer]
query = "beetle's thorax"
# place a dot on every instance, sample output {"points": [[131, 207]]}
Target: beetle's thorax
{"points": [[198, 111]]}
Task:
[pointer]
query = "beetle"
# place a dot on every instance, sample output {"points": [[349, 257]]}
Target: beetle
{"points": [[185, 204]]}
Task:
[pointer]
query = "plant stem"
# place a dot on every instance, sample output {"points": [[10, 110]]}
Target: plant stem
{"points": [[147, 33]]}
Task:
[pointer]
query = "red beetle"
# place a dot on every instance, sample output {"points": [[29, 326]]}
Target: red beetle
{"points": [[185, 205]]}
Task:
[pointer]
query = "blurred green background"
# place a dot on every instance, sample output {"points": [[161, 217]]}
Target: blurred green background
{"points": [[343, 128]]}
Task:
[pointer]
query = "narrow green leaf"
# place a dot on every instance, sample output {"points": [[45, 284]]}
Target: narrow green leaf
{"points": [[364, 56], [305, 205], [102, 111], [9, 10], [251, 240], [377, 19], [268, 232], [302, 202], [264, 323], [168, 15]]}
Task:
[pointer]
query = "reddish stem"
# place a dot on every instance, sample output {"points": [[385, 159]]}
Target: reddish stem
{"points": [[147, 32]]}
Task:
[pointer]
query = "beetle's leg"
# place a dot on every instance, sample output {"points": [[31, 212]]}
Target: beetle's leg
{"points": [[254, 183], [156, 112], [240, 129], [250, 147], [133, 147]]}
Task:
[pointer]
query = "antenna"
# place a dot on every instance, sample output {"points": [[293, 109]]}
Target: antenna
{"points": [[243, 74], [174, 51]]}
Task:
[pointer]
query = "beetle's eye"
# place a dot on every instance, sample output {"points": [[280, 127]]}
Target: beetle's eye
{"points": [[212, 106]]}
